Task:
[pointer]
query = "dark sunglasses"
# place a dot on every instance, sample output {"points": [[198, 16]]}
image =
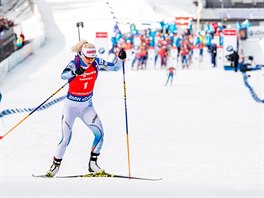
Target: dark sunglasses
{"points": [[89, 58]]}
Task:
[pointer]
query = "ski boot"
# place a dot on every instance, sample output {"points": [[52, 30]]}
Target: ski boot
{"points": [[54, 169], [93, 167]]}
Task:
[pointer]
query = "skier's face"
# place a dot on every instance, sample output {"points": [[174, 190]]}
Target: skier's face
{"points": [[88, 55], [87, 60]]}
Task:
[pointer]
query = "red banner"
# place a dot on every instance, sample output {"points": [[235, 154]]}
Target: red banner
{"points": [[101, 34], [230, 32], [182, 21]]}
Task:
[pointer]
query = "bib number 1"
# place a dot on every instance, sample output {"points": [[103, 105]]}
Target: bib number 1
{"points": [[85, 85]]}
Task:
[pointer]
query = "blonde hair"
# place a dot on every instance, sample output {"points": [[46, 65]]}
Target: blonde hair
{"points": [[82, 44]]}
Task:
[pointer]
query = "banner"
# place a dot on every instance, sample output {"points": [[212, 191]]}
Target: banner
{"points": [[173, 56], [101, 43], [151, 58], [255, 32], [230, 39]]}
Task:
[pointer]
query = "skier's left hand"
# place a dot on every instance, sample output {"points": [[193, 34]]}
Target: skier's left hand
{"points": [[122, 54]]}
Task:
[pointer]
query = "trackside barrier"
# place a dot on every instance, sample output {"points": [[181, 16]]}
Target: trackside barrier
{"points": [[20, 55]]}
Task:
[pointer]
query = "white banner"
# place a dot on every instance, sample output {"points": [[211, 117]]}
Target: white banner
{"points": [[173, 54], [101, 43], [196, 55], [3, 69], [230, 39], [219, 57], [151, 58], [255, 32]]}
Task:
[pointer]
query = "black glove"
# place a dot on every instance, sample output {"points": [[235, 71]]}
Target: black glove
{"points": [[122, 54], [79, 71]]}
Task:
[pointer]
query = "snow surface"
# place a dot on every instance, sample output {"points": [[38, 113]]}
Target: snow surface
{"points": [[203, 135]]}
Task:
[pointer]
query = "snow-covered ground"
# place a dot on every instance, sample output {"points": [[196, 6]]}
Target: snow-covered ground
{"points": [[203, 135]]}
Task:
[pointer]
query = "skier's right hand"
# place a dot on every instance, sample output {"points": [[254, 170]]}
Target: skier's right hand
{"points": [[78, 71]]}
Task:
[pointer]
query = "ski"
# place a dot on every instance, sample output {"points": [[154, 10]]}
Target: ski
{"points": [[109, 175], [43, 176], [89, 175]]}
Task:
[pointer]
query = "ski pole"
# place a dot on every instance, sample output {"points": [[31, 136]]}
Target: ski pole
{"points": [[127, 138], [78, 25], [1, 137], [124, 82]]}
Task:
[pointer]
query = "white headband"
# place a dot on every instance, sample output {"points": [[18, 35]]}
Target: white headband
{"points": [[89, 52]]}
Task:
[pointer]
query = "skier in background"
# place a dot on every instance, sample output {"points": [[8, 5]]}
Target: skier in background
{"points": [[81, 74], [213, 52], [171, 72]]}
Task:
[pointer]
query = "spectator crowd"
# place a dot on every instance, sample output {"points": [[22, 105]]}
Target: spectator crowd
{"points": [[166, 38], [5, 24], [9, 40]]}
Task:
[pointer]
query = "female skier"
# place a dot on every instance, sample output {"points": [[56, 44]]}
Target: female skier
{"points": [[81, 74]]}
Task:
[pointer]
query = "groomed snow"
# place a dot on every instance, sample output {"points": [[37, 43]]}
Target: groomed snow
{"points": [[203, 135]]}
